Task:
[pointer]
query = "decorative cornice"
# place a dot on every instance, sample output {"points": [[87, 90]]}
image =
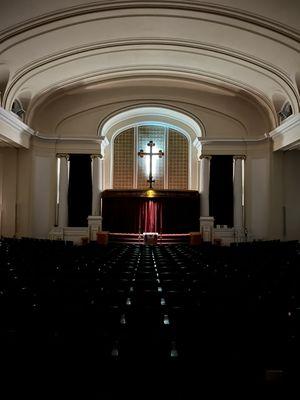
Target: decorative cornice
{"points": [[55, 139], [287, 135], [95, 156], [13, 130], [205, 157], [239, 157], [208, 140], [13, 121], [63, 155], [290, 123]]}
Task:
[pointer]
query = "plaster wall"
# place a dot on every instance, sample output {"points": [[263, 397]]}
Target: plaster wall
{"points": [[257, 192], [24, 223], [1, 190], [43, 194], [8, 181], [292, 194]]}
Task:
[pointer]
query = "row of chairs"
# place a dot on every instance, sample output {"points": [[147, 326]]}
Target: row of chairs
{"points": [[235, 307]]}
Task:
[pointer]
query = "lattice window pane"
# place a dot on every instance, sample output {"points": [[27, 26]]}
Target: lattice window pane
{"points": [[157, 135], [124, 154], [177, 160]]}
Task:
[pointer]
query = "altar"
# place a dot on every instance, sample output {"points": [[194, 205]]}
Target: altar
{"points": [[149, 210], [150, 238]]}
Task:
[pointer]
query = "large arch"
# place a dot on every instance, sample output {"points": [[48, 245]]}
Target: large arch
{"points": [[155, 115]]}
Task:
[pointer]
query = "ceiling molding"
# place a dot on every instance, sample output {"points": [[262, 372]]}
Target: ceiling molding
{"points": [[116, 5], [167, 72], [118, 122], [283, 81], [173, 44]]}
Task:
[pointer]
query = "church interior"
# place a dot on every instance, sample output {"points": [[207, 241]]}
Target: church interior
{"points": [[149, 192]]}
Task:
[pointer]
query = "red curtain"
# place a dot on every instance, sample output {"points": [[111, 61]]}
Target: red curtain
{"points": [[161, 215], [150, 216]]}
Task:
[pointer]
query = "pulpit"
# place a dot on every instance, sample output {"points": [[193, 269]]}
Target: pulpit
{"points": [[150, 238]]}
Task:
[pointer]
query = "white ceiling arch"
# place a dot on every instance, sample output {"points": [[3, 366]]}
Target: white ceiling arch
{"points": [[151, 115], [82, 66], [238, 112], [250, 47], [159, 59]]}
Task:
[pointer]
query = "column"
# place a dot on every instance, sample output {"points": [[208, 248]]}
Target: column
{"points": [[95, 220], [204, 185], [63, 190], [206, 222], [238, 193], [96, 182]]}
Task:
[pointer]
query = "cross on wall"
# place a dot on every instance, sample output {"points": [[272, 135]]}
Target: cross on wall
{"points": [[142, 153]]}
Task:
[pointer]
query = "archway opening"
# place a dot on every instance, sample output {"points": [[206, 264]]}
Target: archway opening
{"points": [[167, 119], [152, 157]]}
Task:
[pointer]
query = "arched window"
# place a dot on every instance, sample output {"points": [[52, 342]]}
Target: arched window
{"points": [[18, 109], [285, 112], [177, 172], [169, 172]]}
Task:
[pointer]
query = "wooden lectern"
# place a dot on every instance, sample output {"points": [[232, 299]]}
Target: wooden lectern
{"points": [[102, 238]]}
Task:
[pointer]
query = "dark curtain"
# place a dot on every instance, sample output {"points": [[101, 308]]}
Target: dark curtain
{"points": [[162, 215], [80, 189], [221, 190], [121, 214], [180, 215], [150, 216]]}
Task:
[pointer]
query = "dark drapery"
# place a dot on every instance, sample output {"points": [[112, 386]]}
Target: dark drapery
{"points": [[181, 215], [163, 214], [120, 215], [221, 189], [150, 216], [80, 189]]}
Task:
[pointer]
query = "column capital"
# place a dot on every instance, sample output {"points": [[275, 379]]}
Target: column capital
{"points": [[63, 155], [93, 156], [239, 157], [204, 156]]}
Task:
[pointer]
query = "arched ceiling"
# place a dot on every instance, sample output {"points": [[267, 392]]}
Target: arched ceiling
{"points": [[67, 59]]}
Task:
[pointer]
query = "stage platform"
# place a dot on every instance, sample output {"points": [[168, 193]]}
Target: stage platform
{"points": [[135, 238]]}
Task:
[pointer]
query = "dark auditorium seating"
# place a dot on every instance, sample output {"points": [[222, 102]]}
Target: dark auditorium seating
{"points": [[210, 312]]}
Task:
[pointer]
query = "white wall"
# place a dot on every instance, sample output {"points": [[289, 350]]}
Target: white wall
{"points": [[276, 209], [27, 192], [24, 225], [43, 194], [9, 190], [1, 190], [257, 195], [36, 185], [291, 180]]}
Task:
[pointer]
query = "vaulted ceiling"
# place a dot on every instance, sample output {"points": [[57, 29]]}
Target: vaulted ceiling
{"points": [[67, 60]]}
